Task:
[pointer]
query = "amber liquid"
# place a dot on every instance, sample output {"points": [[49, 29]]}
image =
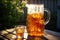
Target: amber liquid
{"points": [[35, 24], [19, 32], [18, 38]]}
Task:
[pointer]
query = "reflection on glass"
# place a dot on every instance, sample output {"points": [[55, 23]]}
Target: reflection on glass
{"points": [[19, 32]]}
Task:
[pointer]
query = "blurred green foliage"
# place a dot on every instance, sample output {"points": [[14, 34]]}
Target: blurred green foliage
{"points": [[11, 12]]}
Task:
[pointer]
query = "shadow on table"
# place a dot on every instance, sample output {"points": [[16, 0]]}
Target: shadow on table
{"points": [[36, 38], [1, 39], [30, 38]]}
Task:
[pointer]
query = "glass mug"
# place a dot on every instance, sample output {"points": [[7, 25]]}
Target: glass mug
{"points": [[19, 31], [35, 19]]}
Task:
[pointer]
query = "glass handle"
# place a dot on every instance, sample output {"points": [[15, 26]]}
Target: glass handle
{"points": [[48, 16]]}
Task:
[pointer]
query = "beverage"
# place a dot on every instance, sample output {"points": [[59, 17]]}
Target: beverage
{"points": [[35, 24], [19, 31], [35, 19], [18, 38]]}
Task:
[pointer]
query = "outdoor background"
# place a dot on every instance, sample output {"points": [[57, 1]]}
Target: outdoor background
{"points": [[13, 12]]}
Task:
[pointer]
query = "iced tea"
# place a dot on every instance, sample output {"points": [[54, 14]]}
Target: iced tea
{"points": [[19, 31], [35, 24]]}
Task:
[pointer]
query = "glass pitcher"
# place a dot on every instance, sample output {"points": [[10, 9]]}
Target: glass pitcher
{"points": [[35, 18]]}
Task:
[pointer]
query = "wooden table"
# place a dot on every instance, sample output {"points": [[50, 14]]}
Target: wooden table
{"points": [[10, 34]]}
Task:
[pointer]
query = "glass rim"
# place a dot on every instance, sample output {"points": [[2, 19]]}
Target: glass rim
{"points": [[20, 26]]}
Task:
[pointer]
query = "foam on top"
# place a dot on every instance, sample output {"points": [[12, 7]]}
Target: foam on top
{"points": [[35, 8]]}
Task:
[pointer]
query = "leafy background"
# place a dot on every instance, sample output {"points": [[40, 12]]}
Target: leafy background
{"points": [[11, 12]]}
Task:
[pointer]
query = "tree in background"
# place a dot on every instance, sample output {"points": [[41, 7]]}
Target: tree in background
{"points": [[11, 12]]}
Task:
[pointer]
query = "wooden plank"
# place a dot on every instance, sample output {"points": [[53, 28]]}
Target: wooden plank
{"points": [[48, 35], [51, 35]]}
